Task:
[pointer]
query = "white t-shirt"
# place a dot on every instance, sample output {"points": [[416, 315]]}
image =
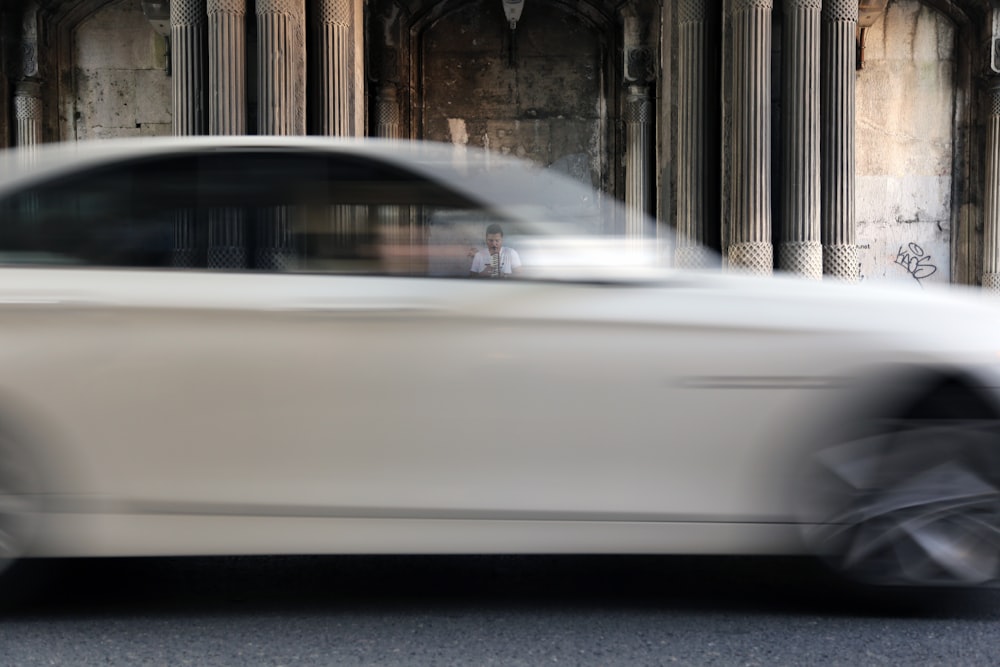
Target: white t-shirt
{"points": [[509, 260]]}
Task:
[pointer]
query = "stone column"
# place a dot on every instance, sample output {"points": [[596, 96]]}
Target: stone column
{"points": [[387, 116], [27, 100], [392, 219], [638, 73], [333, 94], [27, 113], [840, 250], [187, 47], [991, 213], [281, 108], [801, 249], [227, 114], [281, 67], [227, 97], [638, 191], [692, 143], [750, 231], [360, 73]]}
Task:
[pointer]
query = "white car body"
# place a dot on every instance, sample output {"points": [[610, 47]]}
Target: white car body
{"points": [[633, 409]]}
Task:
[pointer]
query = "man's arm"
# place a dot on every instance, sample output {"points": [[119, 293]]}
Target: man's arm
{"points": [[479, 268], [515, 263]]}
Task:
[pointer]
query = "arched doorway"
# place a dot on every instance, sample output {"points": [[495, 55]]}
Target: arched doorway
{"points": [[547, 90]]}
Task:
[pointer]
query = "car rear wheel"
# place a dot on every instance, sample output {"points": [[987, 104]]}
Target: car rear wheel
{"points": [[912, 500]]}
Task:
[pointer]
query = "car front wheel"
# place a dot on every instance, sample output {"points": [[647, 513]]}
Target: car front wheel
{"points": [[912, 500]]}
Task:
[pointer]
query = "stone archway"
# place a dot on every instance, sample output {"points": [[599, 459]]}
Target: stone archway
{"points": [[537, 91], [551, 90]]}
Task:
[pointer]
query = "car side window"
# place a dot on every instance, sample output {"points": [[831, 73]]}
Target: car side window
{"points": [[256, 210], [116, 216]]}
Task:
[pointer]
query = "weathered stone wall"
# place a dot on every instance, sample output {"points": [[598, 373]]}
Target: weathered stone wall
{"points": [[544, 100], [905, 143], [120, 77]]}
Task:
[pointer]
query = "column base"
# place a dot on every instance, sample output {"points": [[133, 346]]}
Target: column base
{"points": [[991, 283], [841, 262], [803, 258], [756, 258], [695, 257]]}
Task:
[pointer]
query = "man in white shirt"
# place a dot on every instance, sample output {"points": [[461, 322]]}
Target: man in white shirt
{"points": [[495, 261]]}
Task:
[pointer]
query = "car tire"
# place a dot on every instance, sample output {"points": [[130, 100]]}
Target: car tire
{"points": [[911, 499]]}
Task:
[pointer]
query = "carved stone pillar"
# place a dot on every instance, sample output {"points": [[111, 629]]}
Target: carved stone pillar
{"points": [[638, 137], [692, 143], [991, 213], [274, 239], [638, 72], [28, 90], [27, 113], [801, 249], [750, 232], [334, 67], [840, 250], [227, 246], [281, 67], [360, 73], [185, 252], [227, 98], [387, 116], [187, 47]]}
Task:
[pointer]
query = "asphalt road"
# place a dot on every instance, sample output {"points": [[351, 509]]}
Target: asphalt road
{"points": [[478, 611]]}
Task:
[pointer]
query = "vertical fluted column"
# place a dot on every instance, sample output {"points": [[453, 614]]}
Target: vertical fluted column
{"points": [[801, 249], [227, 114], [187, 48], [991, 214], [358, 67], [639, 71], [840, 250], [227, 99], [27, 114], [27, 100], [334, 60], [387, 116], [750, 232], [638, 124], [388, 126], [281, 110], [281, 67], [692, 148]]}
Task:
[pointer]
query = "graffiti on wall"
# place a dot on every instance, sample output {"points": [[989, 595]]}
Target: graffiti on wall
{"points": [[909, 255], [915, 261]]}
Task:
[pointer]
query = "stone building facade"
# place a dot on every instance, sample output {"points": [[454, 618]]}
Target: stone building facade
{"points": [[856, 139]]}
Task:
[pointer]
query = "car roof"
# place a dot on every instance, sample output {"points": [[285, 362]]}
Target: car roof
{"points": [[491, 177]]}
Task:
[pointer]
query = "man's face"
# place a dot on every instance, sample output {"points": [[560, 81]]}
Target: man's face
{"points": [[493, 242]]}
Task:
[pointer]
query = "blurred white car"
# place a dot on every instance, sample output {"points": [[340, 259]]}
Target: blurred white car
{"points": [[272, 345]]}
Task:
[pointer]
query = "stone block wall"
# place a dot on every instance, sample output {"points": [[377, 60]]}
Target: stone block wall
{"points": [[121, 83], [906, 96]]}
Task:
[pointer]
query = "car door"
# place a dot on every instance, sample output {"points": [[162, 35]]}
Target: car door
{"points": [[248, 331]]}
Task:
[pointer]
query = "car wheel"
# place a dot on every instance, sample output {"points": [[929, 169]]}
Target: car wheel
{"points": [[912, 500]]}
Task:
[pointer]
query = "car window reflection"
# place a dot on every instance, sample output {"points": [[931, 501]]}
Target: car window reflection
{"points": [[247, 211]]}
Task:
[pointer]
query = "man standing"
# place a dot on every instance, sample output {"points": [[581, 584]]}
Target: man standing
{"points": [[495, 261]]}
